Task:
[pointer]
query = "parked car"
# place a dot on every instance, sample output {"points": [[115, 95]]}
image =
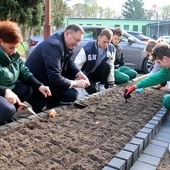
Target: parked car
{"points": [[139, 35], [164, 38], [133, 48]]}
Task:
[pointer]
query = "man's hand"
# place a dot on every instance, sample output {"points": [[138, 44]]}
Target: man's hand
{"points": [[128, 91], [81, 76], [45, 90]]}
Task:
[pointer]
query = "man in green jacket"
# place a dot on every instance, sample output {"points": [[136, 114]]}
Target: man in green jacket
{"points": [[160, 53]]}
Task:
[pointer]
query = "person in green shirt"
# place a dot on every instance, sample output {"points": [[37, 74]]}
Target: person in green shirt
{"points": [[161, 54], [17, 83]]}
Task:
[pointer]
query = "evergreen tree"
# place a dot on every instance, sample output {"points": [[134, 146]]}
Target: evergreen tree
{"points": [[133, 9], [59, 12]]}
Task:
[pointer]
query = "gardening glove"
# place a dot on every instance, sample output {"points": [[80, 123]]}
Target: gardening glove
{"points": [[139, 90], [128, 91]]}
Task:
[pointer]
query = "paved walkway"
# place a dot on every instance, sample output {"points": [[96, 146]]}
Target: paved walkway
{"points": [[147, 148]]}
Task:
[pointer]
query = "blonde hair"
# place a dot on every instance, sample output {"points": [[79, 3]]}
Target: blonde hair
{"points": [[150, 45]]}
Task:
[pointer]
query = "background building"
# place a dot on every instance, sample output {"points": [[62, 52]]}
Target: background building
{"points": [[149, 28]]}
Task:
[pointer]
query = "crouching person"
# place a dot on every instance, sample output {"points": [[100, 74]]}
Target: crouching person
{"points": [[122, 73], [16, 82], [96, 60]]}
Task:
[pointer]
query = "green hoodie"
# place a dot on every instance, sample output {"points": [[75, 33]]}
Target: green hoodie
{"points": [[160, 77], [11, 69]]}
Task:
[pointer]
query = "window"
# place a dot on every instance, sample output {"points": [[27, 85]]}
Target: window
{"points": [[117, 26], [126, 27], [135, 27], [144, 29]]}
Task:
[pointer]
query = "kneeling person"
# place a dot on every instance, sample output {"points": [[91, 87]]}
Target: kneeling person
{"points": [[96, 60], [122, 73]]}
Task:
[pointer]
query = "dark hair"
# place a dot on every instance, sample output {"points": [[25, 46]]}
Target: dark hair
{"points": [[160, 50], [10, 32], [75, 28], [117, 31], [106, 32]]}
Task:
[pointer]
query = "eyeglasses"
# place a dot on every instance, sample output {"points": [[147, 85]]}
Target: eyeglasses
{"points": [[75, 38]]}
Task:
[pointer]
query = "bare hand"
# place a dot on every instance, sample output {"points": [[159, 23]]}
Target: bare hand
{"points": [[81, 83], [45, 90], [12, 97], [81, 76]]}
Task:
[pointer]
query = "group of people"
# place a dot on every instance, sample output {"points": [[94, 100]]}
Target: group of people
{"points": [[51, 77], [160, 75]]}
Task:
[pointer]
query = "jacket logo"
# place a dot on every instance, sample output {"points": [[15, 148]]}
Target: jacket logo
{"points": [[109, 54], [92, 57]]}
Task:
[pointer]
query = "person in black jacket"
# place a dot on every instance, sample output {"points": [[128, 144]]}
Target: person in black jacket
{"points": [[51, 63], [122, 73], [16, 81]]}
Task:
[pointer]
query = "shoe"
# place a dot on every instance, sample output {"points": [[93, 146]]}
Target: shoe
{"points": [[101, 88], [82, 93], [158, 87]]}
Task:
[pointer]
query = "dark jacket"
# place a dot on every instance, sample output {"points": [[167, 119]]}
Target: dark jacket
{"points": [[51, 62], [119, 58], [12, 69]]}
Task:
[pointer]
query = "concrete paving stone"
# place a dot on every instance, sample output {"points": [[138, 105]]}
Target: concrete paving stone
{"points": [[108, 168], [163, 110], [142, 166], [32, 117], [139, 143], [117, 163], [163, 117], [152, 160], [165, 129], [155, 122], [153, 127], [147, 131], [3, 128], [159, 120], [155, 150], [160, 143], [23, 120], [42, 114], [163, 136], [143, 136], [134, 149], [12, 124], [167, 123], [127, 156]]}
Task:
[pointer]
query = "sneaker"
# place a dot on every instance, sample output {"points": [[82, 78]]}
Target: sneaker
{"points": [[82, 93], [101, 88]]}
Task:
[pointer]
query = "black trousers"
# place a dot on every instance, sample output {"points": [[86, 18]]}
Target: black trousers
{"points": [[7, 110], [38, 101], [100, 74]]}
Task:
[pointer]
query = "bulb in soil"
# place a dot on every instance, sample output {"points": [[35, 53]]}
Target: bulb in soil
{"points": [[53, 113]]}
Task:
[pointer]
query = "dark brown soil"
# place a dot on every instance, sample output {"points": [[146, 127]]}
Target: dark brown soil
{"points": [[79, 139]]}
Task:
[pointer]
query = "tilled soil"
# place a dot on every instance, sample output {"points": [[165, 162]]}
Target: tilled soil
{"points": [[79, 139]]}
